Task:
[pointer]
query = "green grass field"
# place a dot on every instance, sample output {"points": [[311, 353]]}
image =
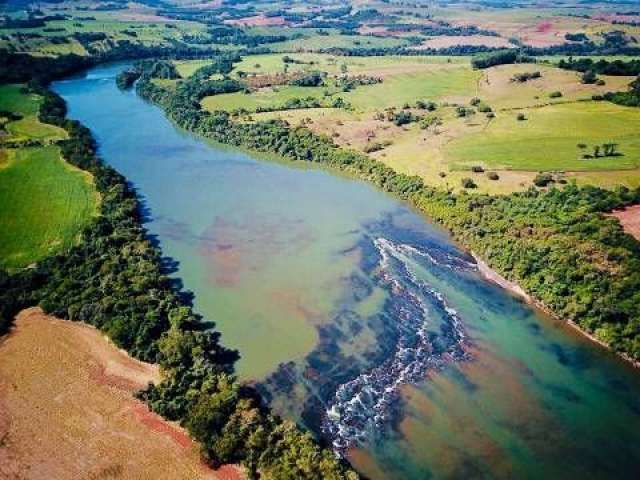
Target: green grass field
{"points": [[12, 99], [29, 127], [405, 79], [44, 203], [548, 139], [319, 42]]}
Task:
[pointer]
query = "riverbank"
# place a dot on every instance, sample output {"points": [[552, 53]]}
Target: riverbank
{"points": [[491, 275]]}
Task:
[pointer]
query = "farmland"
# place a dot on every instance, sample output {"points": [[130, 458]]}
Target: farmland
{"points": [[88, 424], [560, 125], [44, 202]]}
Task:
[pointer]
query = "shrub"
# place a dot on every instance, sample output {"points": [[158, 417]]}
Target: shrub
{"points": [[477, 169], [555, 94], [468, 183], [493, 176], [589, 77], [543, 179], [521, 117]]}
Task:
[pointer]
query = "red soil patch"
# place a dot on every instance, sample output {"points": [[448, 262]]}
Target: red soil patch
{"points": [[158, 424], [544, 27], [470, 40], [630, 220]]}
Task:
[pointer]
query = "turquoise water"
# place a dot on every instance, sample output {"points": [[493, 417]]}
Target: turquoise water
{"points": [[361, 320]]}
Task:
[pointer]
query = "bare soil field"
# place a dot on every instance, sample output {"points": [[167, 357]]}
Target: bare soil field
{"points": [[67, 410], [257, 21], [630, 220], [446, 41]]}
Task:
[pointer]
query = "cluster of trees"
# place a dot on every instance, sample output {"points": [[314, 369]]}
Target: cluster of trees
{"points": [[602, 66], [227, 35], [311, 79], [604, 150], [526, 76], [348, 83], [631, 98], [556, 244], [116, 279], [499, 57]]}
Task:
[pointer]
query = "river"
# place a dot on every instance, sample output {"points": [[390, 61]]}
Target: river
{"points": [[361, 320]]}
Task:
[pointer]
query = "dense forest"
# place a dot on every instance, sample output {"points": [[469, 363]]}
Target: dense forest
{"points": [[116, 280], [555, 243]]}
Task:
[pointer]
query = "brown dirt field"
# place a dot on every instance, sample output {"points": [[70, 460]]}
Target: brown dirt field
{"points": [[472, 40], [67, 410], [630, 220], [257, 21]]}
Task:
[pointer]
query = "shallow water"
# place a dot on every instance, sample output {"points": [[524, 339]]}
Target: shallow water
{"points": [[363, 321]]}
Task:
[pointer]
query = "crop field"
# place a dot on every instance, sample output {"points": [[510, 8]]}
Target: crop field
{"points": [[44, 203], [68, 410]]}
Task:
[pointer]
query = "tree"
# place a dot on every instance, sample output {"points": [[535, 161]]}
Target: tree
{"points": [[543, 179], [468, 183], [610, 149], [589, 77]]}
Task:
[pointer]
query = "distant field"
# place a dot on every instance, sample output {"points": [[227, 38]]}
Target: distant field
{"points": [[498, 88], [445, 41], [548, 139], [319, 42], [405, 79], [44, 203], [29, 127]]}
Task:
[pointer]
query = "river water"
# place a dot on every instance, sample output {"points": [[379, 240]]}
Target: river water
{"points": [[361, 320]]}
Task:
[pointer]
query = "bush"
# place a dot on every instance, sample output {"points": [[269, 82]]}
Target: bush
{"points": [[493, 176], [521, 117], [477, 169], [589, 77], [543, 179], [555, 94], [468, 183]]}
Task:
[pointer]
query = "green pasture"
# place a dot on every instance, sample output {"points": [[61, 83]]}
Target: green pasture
{"points": [[266, 97], [320, 42], [44, 204], [29, 127], [405, 81], [549, 138]]}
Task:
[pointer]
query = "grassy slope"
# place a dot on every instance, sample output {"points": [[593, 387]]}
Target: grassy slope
{"points": [[29, 127], [44, 202], [547, 139]]}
